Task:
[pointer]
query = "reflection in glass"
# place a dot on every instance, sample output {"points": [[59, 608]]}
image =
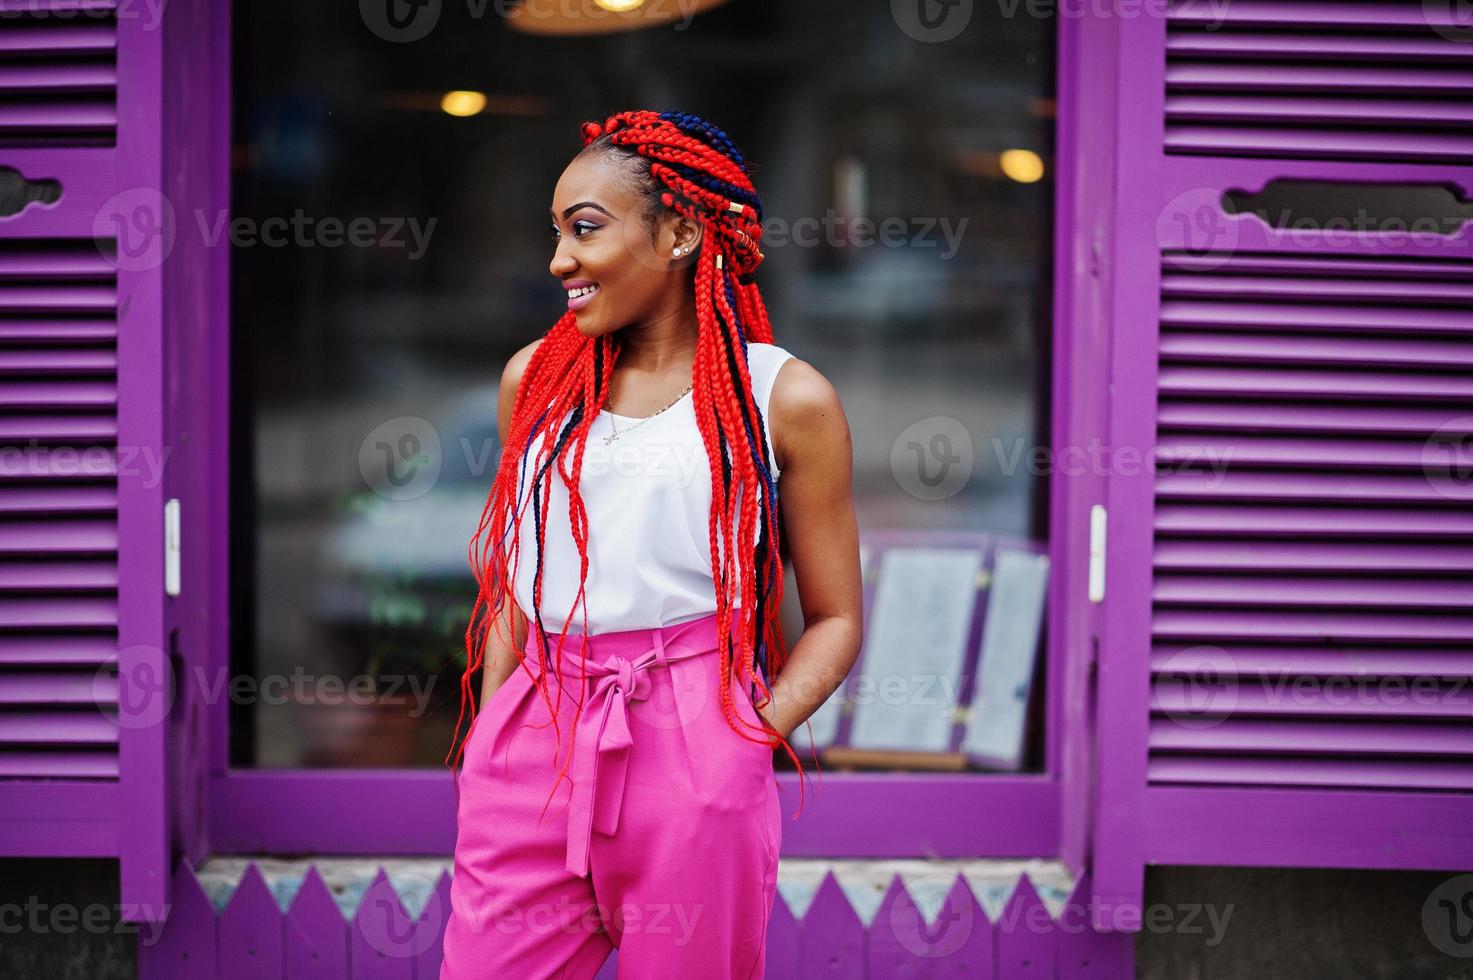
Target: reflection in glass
{"points": [[907, 186]]}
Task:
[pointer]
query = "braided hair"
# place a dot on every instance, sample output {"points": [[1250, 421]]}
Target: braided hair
{"points": [[686, 165]]}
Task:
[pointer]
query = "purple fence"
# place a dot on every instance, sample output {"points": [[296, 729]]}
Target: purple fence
{"points": [[263, 934]]}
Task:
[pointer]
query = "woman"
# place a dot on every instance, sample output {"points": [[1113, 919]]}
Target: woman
{"points": [[649, 681]]}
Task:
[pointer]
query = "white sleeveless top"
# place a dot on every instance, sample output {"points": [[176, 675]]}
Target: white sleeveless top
{"points": [[648, 498]]}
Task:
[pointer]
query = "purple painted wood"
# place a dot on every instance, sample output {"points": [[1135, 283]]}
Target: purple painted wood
{"points": [[1317, 737], [313, 941], [199, 130], [1085, 954], [1307, 13], [833, 938], [251, 940], [429, 931], [184, 946], [102, 351], [1134, 274], [60, 819], [316, 934], [784, 943], [1219, 592], [58, 728], [319, 811], [897, 930], [1027, 941], [1084, 163], [383, 941], [143, 665], [1265, 827], [902, 944]]}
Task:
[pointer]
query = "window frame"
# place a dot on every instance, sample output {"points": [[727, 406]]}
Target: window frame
{"points": [[948, 815]]}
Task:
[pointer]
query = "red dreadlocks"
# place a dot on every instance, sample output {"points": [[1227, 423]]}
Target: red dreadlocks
{"points": [[696, 171]]}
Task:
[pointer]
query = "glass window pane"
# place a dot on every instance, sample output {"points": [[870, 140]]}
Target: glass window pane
{"points": [[389, 256]]}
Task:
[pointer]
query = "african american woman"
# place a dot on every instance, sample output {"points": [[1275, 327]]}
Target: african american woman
{"points": [[616, 786]]}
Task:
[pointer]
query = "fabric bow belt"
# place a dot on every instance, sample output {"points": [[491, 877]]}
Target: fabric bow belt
{"points": [[602, 739]]}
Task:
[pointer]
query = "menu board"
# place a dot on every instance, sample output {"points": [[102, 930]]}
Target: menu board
{"points": [[915, 649], [997, 717]]}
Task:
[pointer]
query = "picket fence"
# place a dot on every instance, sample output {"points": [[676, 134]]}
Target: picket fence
{"points": [[253, 938]]}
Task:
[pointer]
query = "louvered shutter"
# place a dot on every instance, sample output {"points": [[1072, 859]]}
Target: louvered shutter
{"points": [[1288, 628], [81, 378]]}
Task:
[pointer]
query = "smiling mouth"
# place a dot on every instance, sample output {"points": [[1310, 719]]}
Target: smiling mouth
{"points": [[581, 297]]}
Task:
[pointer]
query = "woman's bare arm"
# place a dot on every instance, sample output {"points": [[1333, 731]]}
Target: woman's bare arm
{"points": [[511, 626], [815, 454]]}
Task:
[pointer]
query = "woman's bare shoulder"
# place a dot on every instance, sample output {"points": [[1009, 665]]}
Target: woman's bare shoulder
{"points": [[805, 410], [511, 380]]}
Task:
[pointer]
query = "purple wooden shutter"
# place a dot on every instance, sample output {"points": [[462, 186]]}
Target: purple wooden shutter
{"points": [[81, 489], [1307, 392]]}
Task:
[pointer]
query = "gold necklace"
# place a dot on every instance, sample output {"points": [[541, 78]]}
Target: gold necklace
{"points": [[615, 433]]}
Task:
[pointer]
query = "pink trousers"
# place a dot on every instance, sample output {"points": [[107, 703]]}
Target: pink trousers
{"points": [[664, 845]]}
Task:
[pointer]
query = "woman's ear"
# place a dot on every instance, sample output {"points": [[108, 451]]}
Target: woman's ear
{"points": [[687, 236]]}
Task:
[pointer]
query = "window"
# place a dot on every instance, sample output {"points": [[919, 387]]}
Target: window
{"points": [[389, 256]]}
